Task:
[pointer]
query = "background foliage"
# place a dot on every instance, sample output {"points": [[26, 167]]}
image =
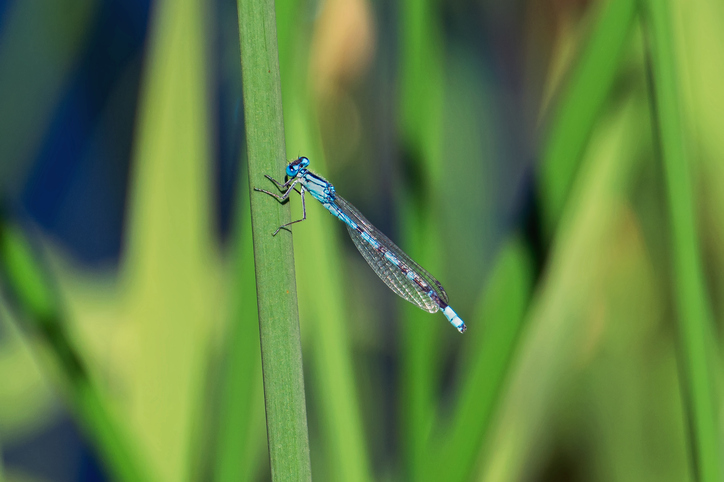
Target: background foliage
{"points": [[556, 164]]}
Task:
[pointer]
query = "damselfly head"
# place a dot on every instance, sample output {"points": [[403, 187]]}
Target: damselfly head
{"points": [[297, 165]]}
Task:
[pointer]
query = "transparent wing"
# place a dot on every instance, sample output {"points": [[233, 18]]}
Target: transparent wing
{"points": [[391, 275], [388, 272]]}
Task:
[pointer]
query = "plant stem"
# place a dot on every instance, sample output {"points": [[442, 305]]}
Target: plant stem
{"points": [[281, 349], [694, 315]]}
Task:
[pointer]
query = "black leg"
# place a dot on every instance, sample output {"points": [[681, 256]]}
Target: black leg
{"points": [[282, 197], [279, 184], [304, 213]]}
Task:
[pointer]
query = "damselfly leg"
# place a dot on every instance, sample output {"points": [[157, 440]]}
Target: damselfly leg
{"points": [[285, 196], [281, 197]]}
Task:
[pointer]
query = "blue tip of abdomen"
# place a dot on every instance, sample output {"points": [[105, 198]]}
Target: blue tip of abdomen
{"points": [[454, 319]]}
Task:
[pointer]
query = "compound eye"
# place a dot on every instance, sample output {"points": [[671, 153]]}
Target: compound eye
{"points": [[304, 161], [291, 170]]}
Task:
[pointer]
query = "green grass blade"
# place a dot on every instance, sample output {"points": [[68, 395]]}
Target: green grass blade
{"points": [[241, 411], [554, 332], [695, 324], [454, 452], [580, 104], [281, 349], [422, 94], [170, 262], [500, 316], [35, 298]]}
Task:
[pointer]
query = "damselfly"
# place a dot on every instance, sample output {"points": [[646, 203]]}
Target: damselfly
{"points": [[405, 277]]}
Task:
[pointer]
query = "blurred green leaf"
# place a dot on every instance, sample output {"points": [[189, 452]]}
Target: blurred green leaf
{"points": [[626, 405], [694, 318], [25, 396], [452, 453], [241, 416], [582, 98], [554, 330], [27, 280], [422, 94], [455, 449], [30, 286], [170, 269], [699, 44]]}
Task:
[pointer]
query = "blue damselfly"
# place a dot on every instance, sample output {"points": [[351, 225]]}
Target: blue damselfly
{"points": [[404, 276]]}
